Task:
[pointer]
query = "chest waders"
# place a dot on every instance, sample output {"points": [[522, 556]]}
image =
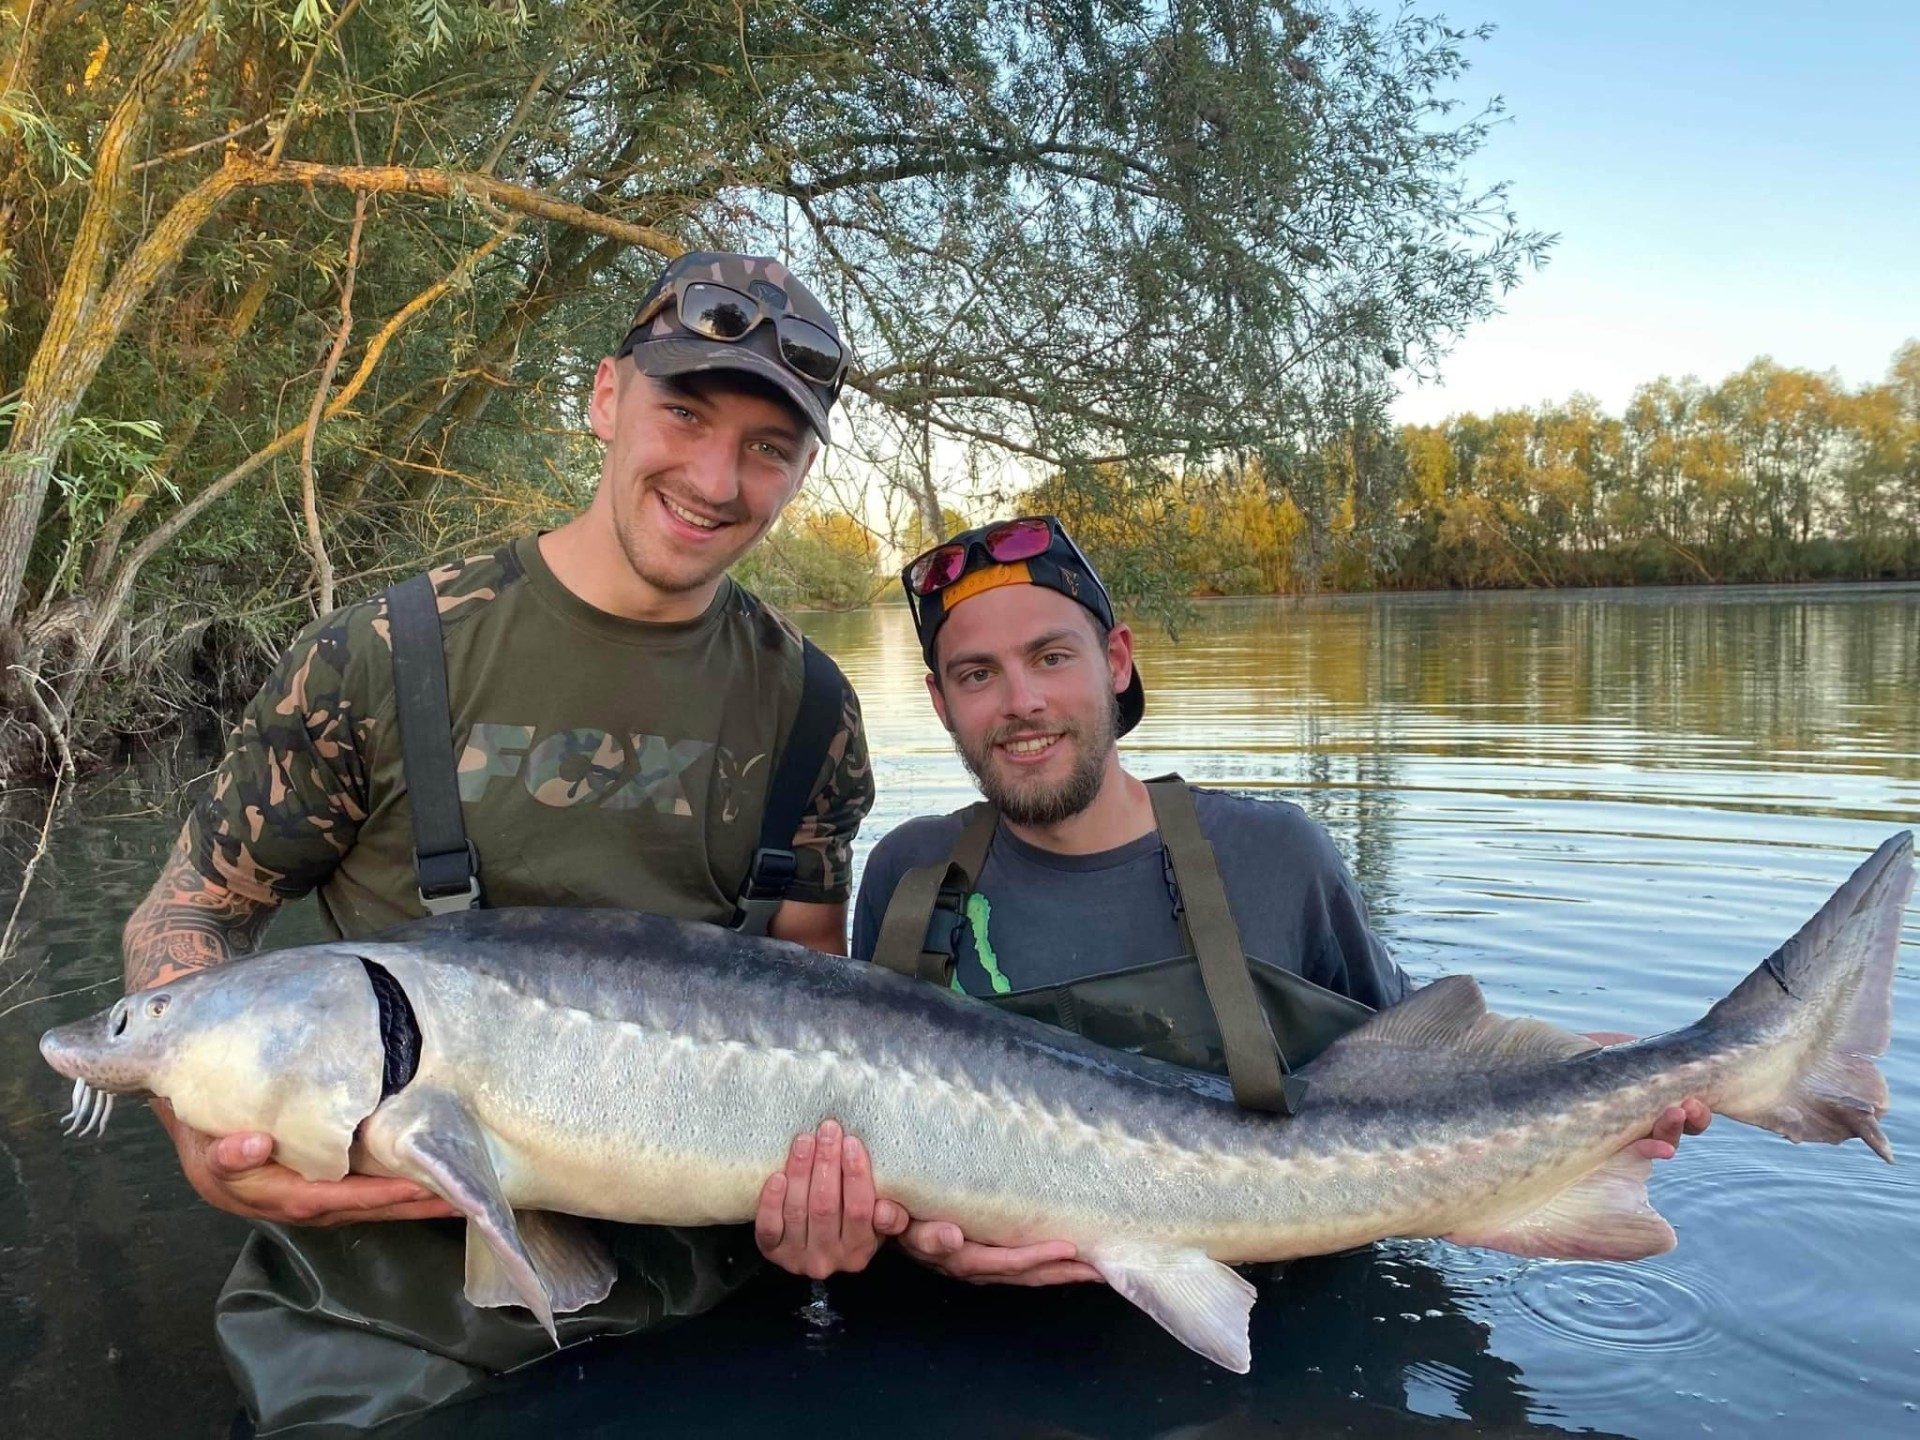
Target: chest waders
{"points": [[354, 1325], [1213, 1008]]}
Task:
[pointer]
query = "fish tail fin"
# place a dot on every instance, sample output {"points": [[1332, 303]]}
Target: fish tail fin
{"points": [[1815, 1013]]}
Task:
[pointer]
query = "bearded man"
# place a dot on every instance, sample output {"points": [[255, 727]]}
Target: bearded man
{"points": [[1213, 930]]}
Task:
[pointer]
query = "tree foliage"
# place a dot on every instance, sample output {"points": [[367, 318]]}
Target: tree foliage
{"points": [[1773, 474], [1110, 238], [818, 559]]}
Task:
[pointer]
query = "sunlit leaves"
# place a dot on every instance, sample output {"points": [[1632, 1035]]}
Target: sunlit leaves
{"points": [[1773, 474]]}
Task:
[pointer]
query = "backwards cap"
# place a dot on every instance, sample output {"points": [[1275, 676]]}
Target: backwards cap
{"points": [[1062, 567]]}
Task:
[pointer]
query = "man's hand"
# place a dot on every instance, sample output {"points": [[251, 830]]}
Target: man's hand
{"points": [[819, 1216], [237, 1173], [939, 1245], [1689, 1117]]}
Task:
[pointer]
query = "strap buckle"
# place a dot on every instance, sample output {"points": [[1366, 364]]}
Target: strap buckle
{"points": [[769, 878], [943, 924], [771, 874], [449, 883], [449, 904]]}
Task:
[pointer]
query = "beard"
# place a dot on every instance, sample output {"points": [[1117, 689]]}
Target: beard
{"points": [[1040, 802]]}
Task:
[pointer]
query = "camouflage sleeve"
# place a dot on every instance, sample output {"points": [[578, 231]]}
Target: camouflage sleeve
{"points": [[823, 845], [291, 790]]}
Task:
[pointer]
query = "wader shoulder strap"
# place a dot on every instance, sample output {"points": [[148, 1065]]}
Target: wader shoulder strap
{"points": [[934, 897], [1254, 1062], [444, 861], [790, 791]]}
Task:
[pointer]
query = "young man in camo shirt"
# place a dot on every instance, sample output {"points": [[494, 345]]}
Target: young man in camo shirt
{"points": [[617, 704]]}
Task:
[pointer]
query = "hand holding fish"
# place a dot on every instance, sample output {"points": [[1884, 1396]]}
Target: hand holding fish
{"points": [[452, 1051], [939, 1245], [819, 1216], [237, 1173], [1690, 1117]]}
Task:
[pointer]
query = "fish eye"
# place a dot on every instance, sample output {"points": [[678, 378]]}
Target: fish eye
{"points": [[120, 1020], [157, 1006]]}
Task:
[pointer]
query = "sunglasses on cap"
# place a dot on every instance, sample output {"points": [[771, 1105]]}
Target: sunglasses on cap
{"points": [[1004, 543], [719, 312]]}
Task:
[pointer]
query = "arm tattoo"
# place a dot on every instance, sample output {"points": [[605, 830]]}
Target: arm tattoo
{"points": [[188, 923]]}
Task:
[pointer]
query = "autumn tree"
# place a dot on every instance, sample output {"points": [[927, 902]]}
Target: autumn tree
{"points": [[303, 292]]}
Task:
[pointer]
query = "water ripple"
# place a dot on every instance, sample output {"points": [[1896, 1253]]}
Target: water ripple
{"points": [[1645, 1307]]}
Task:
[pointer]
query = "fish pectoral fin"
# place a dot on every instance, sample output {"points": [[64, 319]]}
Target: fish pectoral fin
{"points": [[1201, 1303], [1605, 1215], [574, 1265], [430, 1137]]}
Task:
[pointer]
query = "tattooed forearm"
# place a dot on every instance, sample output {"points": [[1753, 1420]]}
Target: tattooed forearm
{"points": [[188, 923]]}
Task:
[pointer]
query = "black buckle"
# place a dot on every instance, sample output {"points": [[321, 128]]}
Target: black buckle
{"points": [[771, 873], [943, 925], [449, 882]]}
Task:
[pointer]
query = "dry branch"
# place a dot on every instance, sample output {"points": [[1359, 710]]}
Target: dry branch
{"points": [[309, 496]]}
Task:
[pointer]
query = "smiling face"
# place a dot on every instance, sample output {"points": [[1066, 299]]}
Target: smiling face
{"points": [[695, 471], [1026, 687]]}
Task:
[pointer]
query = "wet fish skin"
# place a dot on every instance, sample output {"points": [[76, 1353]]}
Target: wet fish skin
{"points": [[620, 1066]]}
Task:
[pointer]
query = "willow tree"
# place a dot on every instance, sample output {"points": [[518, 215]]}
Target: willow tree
{"points": [[299, 292]]}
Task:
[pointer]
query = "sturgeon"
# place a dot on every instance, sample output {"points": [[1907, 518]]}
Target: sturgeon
{"points": [[535, 1065]]}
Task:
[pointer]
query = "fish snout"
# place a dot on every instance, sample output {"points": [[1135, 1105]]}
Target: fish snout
{"points": [[99, 1052], [96, 1056]]}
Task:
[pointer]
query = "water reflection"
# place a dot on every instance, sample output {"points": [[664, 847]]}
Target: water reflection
{"points": [[1607, 807], [1377, 1341]]}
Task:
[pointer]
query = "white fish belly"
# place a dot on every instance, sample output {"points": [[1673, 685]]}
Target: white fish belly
{"points": [[626, 1123]]}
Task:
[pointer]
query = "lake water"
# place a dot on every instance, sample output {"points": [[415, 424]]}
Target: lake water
{"points": [[1607, 806]]}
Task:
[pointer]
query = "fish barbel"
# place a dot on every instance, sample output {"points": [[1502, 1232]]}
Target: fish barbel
{"points": [[534, 1065]]}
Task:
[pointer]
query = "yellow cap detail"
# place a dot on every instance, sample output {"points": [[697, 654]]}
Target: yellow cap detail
{"points": [[992, 577]]}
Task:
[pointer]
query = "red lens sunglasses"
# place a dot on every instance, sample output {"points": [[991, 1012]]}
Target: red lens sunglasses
{"points": [[1004, 543]]}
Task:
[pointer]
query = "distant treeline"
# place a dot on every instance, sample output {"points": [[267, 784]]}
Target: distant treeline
{"points": [[1774, 474]]}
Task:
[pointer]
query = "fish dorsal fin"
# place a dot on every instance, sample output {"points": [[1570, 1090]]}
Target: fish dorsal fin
{"points": [[1451, 1016]]}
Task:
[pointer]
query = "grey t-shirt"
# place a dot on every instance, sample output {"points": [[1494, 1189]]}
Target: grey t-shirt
{"points": [[1037, 918]]}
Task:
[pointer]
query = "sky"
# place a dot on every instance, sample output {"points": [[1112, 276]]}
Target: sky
{"points": [[1727, 181]]}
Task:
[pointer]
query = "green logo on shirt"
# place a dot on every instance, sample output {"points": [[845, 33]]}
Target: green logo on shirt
{"points": [[978, 913], [585, 766]]}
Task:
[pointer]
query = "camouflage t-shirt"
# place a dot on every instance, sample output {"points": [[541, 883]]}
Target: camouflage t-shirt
{"points": [[603, 761]]}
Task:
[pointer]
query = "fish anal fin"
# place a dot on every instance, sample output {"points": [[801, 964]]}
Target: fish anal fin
{"points": [[1450, 1016], [1605, 1215], [1840, 1096], [1201, 1303], [430, 1137]]}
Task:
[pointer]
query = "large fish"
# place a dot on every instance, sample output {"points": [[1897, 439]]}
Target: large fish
{"points": [[531, 1065]]}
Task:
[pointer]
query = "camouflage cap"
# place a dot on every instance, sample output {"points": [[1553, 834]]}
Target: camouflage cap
{"points": [[663, 346]]}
